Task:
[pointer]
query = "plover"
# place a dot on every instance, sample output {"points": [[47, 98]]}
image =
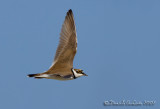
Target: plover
{"points": [[62, 67]]}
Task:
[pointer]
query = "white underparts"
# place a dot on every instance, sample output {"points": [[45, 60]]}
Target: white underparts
{"points": [[43, 75], [76, 74]]}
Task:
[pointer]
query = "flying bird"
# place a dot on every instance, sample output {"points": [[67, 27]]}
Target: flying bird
{"points": [[62, 66]]}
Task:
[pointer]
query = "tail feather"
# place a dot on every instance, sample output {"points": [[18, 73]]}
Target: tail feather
{"points": [[38, 75], [31, 75]]}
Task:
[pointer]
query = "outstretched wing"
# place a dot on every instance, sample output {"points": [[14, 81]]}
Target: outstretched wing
{"points": [[68, 42]]}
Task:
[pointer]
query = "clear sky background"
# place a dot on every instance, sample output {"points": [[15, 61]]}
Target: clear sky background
{"points": [[118, 47]]}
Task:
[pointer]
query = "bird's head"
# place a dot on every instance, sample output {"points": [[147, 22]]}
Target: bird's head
{"points": [[78, 73]]}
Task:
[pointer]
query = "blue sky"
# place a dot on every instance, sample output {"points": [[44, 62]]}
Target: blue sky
{"points": [[118, 47]]}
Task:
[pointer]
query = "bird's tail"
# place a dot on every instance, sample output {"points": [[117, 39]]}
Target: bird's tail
{"points": [[32, 75], [37, 76]]}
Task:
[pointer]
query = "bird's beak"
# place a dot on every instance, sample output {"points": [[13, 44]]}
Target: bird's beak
{"points": [[85, 74]]}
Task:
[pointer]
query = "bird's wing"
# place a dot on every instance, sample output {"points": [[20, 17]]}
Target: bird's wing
{"points": [[68, 42]]}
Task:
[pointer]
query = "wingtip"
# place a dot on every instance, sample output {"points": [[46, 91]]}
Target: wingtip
{"points": [[69, 11]]}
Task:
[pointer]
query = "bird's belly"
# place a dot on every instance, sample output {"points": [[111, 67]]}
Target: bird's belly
{"points": [[59, 77]]}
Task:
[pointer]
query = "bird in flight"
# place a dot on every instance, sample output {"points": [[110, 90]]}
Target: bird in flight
{"points": [[62, 67]]}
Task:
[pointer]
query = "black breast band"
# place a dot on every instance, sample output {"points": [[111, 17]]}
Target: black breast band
{"points": [[73, 74]]}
